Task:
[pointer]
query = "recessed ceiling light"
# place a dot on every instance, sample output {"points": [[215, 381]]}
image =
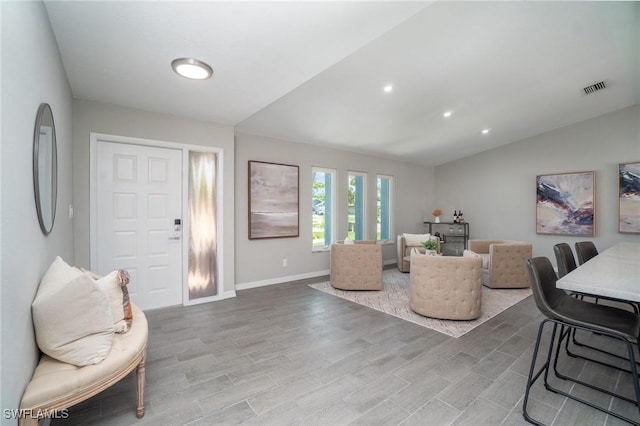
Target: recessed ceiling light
{"points": [[388, 88], [191, 68], [485, 131], [447, 114]]}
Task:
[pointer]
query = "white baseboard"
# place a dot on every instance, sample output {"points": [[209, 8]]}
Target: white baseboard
{"points": [[288, 278], [280, 280], [225, 295]]}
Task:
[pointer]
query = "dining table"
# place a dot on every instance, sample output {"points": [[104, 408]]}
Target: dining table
{"points": [[613, 273]]}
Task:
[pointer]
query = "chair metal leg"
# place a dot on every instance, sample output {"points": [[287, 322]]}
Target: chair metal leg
{"points": [[544, 369], [586, 358], [565, 332], [563, 376], [633, 371]]}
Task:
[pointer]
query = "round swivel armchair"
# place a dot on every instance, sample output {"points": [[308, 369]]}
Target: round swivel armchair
{"points": [[446, 287]]}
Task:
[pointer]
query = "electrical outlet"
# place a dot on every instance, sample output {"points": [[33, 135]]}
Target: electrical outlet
{"points": [[284, 263]]}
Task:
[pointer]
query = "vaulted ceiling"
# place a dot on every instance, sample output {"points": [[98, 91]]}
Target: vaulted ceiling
{"points": [[314, 72]]}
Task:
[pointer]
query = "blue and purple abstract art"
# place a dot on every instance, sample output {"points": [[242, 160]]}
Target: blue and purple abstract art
{"points": [[564, 204], [629, 190]]}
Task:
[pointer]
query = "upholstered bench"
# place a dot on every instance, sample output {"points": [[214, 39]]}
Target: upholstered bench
{"points": [[56, 385]]}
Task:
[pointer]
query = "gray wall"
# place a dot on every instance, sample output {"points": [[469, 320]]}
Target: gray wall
{"points": [[259, 262], [496, 189], [103, 118], [32, 73]]}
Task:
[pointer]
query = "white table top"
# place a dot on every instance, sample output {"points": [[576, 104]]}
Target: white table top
{"points": [[614, 273]]}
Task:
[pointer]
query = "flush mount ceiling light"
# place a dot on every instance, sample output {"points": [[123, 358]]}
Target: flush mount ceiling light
{"points": [[485, 131], [447, 114], [191, 68], [388, 88]]}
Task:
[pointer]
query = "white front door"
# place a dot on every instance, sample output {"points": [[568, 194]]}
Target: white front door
{"points": [[139, 198]]}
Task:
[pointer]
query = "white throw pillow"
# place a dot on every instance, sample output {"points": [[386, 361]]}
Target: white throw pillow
{"points": [[415, 240], [72, 319], [59, 272], [348, 241], [469, 253]]}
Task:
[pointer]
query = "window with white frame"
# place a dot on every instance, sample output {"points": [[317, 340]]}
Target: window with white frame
{"points": [[322, 196], [356, 205], [384, 207]]}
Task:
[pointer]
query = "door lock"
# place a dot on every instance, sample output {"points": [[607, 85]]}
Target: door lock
{"points": [[177, 229]]}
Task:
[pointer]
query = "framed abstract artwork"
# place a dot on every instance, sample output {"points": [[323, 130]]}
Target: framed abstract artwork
{"points": [[565, 204], [273, 200], [629, 198]]}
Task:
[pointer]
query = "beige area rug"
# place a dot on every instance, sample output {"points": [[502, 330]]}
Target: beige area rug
{"points": [[394, 300]]}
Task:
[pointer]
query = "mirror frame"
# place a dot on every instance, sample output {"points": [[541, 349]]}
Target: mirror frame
{"points": [[53, 178]]}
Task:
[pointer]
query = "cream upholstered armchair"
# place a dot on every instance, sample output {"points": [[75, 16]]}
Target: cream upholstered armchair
{"points": [[504, 263], [446, 287], [356, 266], [408, 243]]}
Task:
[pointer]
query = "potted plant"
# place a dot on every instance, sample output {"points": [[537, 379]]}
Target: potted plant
{"points": [[430, 246]]}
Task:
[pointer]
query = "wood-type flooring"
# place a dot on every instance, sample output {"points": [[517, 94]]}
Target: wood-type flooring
{"points": [[289, 355]]}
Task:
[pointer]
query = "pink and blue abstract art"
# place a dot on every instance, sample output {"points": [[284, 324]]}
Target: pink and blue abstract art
{"points": [[564, 204]]}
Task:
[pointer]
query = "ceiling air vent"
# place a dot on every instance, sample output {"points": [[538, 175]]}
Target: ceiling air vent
{"points": [[594, 88]]}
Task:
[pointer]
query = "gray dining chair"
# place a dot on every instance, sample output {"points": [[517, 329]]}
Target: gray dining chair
{"points": [[564, 259], [585, 250], [566, 313], [566, 263]]}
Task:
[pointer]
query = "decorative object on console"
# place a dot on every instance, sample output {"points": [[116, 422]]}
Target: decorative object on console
{"points": [[436, 215], [457, 217], [273, 200], [629, 197], [565, 204]]}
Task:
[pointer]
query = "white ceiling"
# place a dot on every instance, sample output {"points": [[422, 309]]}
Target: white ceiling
{"points": [[313, 72]]}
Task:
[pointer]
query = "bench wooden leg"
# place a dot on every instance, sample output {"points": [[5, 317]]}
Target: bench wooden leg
{"points": [[27, 421], [140, 380]]}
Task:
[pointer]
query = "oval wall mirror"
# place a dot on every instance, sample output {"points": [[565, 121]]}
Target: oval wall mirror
{"points": [[45, 168]]}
